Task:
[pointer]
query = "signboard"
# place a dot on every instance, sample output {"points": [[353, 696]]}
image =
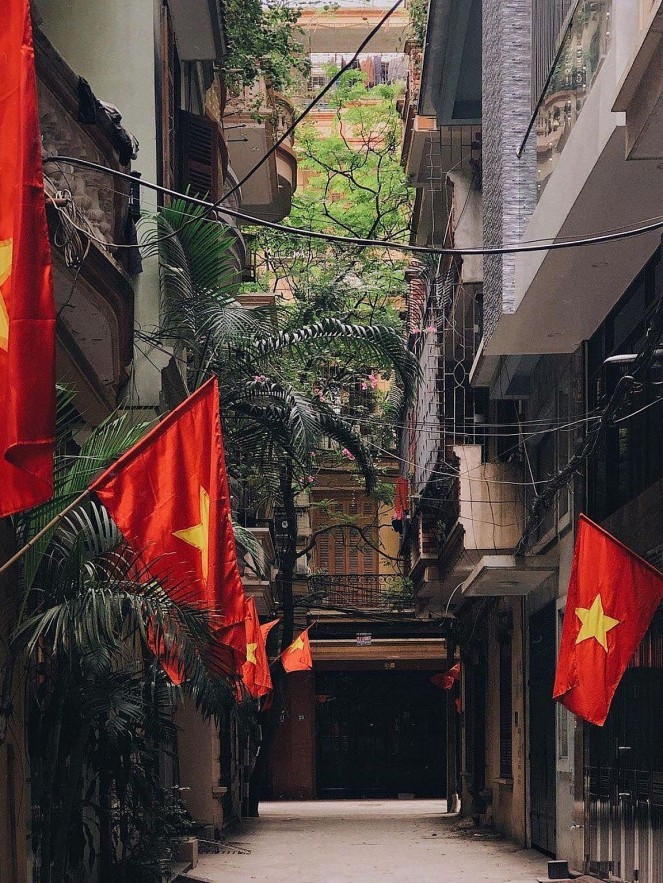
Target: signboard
{"points": [[364, 639]]}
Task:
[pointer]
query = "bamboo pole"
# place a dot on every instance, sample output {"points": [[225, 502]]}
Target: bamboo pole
{"points": [[51, 524]]}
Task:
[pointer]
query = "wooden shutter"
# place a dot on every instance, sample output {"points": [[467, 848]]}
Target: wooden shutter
{"points": [[199, 155], [370, 555]]}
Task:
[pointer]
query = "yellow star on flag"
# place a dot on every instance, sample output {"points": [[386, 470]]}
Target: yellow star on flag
{"points": [[297, 645], [198, 535], [5, 272], [595, 623], [251, 653]]}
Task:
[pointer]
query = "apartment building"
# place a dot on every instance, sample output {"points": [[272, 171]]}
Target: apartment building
{"points": [[133, 87], [565, 144]]}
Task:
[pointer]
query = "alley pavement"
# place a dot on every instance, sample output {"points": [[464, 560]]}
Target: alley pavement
{"points": [[338, 841]]}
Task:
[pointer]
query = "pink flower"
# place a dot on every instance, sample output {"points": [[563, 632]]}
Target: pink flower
{"points": [[259, 378], [364, 385], [431, 328], [373, 379], [416, 331], [319, 393], [310, 479], [347, 454]]}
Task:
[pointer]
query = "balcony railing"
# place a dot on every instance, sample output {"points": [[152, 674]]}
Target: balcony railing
{"points": [[580, 56], [74, 123], [368, 591]]}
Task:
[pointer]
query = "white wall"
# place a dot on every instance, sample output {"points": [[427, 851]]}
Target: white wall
{"points": [[111, 44]]}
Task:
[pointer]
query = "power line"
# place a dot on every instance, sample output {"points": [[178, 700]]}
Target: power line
{"points": [[526, 246], [330, 85]]}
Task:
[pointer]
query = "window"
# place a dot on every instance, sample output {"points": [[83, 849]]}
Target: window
{"points": [[317, 82], [633, 456], [506, 711], [344, 551]]}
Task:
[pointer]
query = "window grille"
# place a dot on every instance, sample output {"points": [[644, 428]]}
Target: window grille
{"points": [[506, 711]]}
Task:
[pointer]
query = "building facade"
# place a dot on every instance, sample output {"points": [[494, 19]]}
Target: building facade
{"points": [[564, 141]]}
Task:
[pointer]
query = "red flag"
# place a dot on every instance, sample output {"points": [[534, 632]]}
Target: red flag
{"points": [[613, 594], [169, 497], [255, 671], [297, 657], [401, 498], [266, 628], [446, 680], [27, 312]]}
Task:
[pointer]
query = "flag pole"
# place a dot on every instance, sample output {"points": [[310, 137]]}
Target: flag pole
{"points": [[51, 524]]}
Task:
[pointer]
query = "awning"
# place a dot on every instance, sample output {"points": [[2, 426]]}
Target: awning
{"points": [[498, 575]]}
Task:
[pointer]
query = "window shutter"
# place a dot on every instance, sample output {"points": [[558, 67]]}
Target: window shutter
{"points": [[199, 155]]}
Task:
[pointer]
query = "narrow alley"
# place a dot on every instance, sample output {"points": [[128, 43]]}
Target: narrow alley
{"points": [[407, 840]]}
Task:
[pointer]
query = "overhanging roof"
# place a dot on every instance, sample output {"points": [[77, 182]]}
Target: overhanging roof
{"points": [[451, 70], [502, 575]]}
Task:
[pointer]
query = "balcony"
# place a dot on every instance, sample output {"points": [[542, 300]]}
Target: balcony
{"points": [[257, 570], [481, 514], [640, 95], [361, 592], [93, 289], [199, 29], [259, 116], [586, 184], [442, 111]]}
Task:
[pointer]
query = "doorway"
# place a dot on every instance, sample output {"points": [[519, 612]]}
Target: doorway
{"points": [[379, 734], [542, 643]]}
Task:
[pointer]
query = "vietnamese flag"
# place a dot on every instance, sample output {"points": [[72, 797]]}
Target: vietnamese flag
{"points": [[266, 628], [446, 680], [297, 657], [169, 496], [613, 594], [255, 671], [27, 312]]}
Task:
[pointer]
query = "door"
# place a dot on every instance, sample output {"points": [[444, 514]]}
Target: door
{"points": [[542, 644], [379, 734], [624, 773]]}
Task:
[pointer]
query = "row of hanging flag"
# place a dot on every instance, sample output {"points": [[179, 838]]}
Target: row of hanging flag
{"points": [[169, 493]]}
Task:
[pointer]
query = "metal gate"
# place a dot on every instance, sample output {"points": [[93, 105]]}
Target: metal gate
{"points": [[624, 774], [379, 734], [542, 728]]}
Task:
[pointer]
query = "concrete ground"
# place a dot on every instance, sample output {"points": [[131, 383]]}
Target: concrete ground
{"points": [[339, 841]]}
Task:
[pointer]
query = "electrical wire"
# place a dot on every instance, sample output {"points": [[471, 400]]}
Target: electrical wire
{"points": [[526, 246], [316, 100]]}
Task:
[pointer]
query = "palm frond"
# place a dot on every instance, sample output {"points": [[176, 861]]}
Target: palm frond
{"points": [[365, 340], [73, 474], [338, 429]]}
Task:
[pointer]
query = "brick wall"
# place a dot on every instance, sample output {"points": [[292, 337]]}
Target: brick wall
{"points": [[509, 183]]}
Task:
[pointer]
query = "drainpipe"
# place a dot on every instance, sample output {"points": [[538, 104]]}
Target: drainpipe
{"points": [[524, 623]]}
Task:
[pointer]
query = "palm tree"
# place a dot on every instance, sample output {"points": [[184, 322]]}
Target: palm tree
{"points": [[100, 704], [269, 367]]}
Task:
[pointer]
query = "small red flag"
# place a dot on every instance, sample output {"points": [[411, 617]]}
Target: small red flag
{"points": [[401, 498], [266, 628], [169, 496], [255, 671], [297, 657], [27, 311], [612, 596], [446, 680]]}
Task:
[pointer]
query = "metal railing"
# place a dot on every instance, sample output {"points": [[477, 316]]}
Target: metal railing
{"points": [[368, 591], [582, 49]]}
